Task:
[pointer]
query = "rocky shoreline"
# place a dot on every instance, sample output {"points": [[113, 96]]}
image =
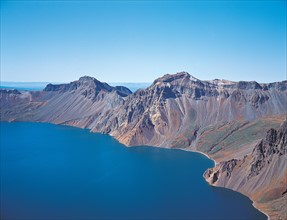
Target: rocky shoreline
{"points": [[206, 179], [215, 163], [237, 174]]}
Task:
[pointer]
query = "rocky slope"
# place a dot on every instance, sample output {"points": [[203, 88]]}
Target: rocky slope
{"points": [[170, 112], [173, 110], [235, 139], [261, 175], [61, 103], [222, 118]]}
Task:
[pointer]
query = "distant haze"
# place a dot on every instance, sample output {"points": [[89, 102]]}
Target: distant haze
{"points": [[36, 86], [43, 41]]}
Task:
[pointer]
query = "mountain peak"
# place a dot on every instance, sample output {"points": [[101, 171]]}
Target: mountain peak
{"points": [[172, 77], [90, 84], [88, 81], [87, 78]]}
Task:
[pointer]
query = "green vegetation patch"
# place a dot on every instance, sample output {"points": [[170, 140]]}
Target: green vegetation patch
{"points": [[233, 135]]}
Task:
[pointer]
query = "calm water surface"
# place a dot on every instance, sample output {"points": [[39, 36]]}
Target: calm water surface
{"points": [[50, 171]]}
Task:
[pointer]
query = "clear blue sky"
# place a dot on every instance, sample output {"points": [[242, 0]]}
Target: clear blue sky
{"points": [[140, 41]]}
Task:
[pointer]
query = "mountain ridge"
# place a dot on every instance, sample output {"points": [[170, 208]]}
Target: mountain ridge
{"points": [[88, 82], [221, 118]]}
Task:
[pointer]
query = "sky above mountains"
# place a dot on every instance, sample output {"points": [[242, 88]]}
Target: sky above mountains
{"points": [[139, 41]]}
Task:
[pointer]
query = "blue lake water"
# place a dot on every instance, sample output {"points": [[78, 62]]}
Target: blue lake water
{"points": [[50, 171]]}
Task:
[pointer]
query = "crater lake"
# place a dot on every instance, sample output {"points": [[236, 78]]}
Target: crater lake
{"points": [[51, 171]]}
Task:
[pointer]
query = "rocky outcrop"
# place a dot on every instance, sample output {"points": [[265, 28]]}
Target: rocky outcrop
{"points": [[260, 175], [223, 167], [222, 118], [264, 151]]}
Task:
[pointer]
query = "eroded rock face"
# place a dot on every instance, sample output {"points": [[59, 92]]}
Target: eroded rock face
{"points": [[275, 143], [180, 104], [224, 168], [261, 175]]}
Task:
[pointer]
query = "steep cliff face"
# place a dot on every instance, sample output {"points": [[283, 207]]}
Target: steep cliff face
{"points": [[177, 107], [261, 175]]}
